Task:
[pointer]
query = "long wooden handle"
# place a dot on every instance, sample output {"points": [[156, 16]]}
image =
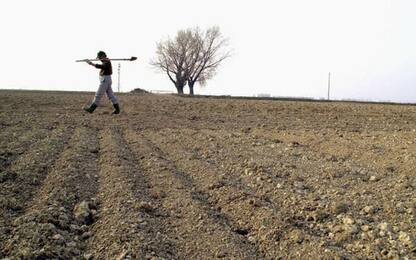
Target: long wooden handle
{"points": [[86, 60]]}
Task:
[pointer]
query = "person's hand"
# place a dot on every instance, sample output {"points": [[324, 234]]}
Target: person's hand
{"points": [[89, 62]]}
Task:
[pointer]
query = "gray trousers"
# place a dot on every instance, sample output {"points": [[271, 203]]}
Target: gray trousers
{"points": [[105, 87]]}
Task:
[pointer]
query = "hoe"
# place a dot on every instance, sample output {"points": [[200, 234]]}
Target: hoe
{"points": [[130, 59]]}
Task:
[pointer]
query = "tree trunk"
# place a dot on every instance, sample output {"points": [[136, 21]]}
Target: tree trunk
{"points": [[191, 88], [179, 88]]}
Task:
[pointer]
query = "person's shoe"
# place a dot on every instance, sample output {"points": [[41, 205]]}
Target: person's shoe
{"points": [[91, 108], [116, 109]]}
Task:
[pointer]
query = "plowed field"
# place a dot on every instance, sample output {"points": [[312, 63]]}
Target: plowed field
{"points": [[199, 178]]}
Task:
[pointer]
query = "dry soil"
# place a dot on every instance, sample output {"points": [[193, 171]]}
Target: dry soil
{"points": [[200, 178]]}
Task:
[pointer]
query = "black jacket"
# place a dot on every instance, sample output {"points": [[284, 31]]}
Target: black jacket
{"points": [[106, 68]]}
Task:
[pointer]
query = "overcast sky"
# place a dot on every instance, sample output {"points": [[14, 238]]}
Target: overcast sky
{"points": [[281, 47]]}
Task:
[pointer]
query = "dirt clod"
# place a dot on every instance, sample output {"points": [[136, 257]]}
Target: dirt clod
{"points": [[83, 213]]}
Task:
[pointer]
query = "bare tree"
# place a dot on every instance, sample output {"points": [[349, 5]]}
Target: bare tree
{"points": [[171, 58], [209, 49], [192, 56]]}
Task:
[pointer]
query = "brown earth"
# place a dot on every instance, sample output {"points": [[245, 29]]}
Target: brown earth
{"points": [[184, 178]]}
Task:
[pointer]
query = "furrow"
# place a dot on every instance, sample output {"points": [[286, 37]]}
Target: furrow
{"points": [[129, 224], [199, 230], [249, 209], [25, 175], [55, 223]]}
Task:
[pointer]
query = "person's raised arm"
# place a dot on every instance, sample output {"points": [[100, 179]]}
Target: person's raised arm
{"points": [[98, 66]]}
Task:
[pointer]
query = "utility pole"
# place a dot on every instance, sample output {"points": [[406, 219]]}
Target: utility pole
{"points": [[119, 70], [329, 84]]}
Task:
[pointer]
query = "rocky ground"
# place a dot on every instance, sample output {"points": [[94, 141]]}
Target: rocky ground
{"points": [[199, 178]]}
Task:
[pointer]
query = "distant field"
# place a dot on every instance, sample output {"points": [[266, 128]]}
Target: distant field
{"points": [[202, 178]]}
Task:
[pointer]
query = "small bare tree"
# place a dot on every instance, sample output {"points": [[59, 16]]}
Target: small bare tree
{"points": [[192, 56], [171, 58], [209, 50]]}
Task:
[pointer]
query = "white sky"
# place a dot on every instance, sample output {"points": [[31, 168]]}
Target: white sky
{"points": [[281, 47]]}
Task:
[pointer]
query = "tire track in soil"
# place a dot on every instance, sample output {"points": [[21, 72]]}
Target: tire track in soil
{"points": [[246, 208], [199, 229], [27, 173], [129, 225], [48, 228]]}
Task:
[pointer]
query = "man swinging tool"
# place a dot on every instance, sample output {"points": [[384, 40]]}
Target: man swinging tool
{"points": [[106, 71]]}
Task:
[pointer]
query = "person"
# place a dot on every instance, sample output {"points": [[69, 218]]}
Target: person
{"points": [[106, 71]]}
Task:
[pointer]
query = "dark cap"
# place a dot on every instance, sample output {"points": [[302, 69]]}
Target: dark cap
{"points": [[101, 54]]}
